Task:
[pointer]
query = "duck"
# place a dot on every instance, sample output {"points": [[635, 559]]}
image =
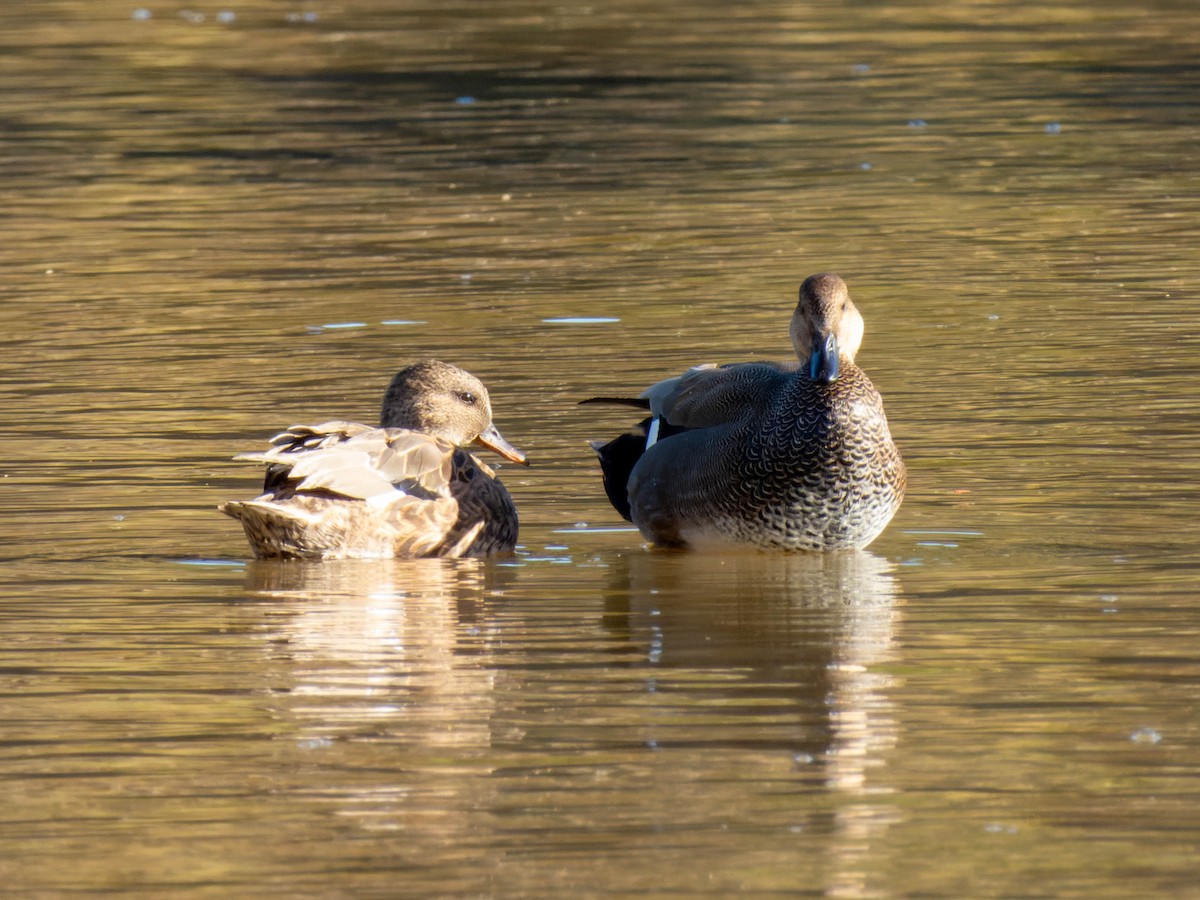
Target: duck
{"points": [[407, 488], [767, 455]]}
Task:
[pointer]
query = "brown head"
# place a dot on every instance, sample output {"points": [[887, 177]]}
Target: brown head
{"points": [[442, 400], [826, 327]]}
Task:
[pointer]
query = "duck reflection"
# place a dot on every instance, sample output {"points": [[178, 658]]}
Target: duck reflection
{"points": [[764, 651], [674, 705], [755, 661], [736, 652], [368, 642]]}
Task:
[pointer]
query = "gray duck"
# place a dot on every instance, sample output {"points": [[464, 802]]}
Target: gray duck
{"points": [[788, 456], [407, 488]]}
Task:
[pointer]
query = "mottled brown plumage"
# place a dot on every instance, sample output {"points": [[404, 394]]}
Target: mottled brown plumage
{"points": [[405, 489], [772, 455]]}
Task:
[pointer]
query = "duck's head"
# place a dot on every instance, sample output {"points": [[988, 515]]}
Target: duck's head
{"points": [[826, 326], [442, 400]]}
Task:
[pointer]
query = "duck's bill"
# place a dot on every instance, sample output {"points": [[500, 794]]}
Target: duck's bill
{"points": [[493, 441], [823, 363]]}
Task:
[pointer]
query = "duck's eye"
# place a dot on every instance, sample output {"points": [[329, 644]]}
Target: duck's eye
{"points": [[466, 397]]}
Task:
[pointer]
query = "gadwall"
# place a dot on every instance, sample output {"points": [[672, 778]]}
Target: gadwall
{"points": [[407, 488], [791, 456]]}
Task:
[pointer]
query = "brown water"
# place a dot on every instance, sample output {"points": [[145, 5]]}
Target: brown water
{"points": [[214, 228]]}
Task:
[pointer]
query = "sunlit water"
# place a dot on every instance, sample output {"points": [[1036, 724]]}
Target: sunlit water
{"points": [[220, 220]]}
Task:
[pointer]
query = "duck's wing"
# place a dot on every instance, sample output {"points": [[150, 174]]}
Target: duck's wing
{"points": [[357, 461], [710, 395], [286, 446], [702, 397], [311, 437]]}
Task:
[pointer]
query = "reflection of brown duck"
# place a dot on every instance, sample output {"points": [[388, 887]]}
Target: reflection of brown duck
{"points": [[406, 488], [771, 455]]}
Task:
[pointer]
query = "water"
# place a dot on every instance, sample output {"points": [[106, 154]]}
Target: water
{"points": [[217, 225]]}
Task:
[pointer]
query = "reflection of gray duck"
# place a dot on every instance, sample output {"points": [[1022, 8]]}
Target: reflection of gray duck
{"points": [[406, 488], [771, 455]]}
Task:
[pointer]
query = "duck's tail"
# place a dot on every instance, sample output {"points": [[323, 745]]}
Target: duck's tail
{"points": [[619, 456], [273, 531]]}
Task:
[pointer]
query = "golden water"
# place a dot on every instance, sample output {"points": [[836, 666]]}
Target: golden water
{"points": [[216, 226]]}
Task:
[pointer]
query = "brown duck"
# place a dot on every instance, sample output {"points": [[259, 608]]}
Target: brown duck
{"points": [[407, 488], [789, 456]]}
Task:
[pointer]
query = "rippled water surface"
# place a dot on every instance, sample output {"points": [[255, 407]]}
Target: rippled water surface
{"points": [[222, 219]]}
